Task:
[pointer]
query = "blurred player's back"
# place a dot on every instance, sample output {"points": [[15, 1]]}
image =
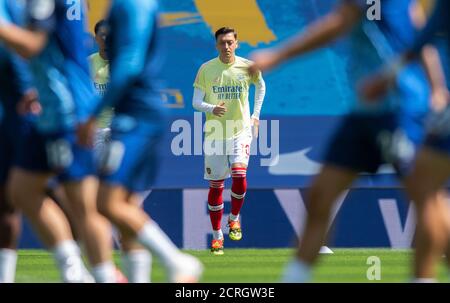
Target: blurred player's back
{"points": [[15, 77], [142, 96], [378, 40], [61, 70]]}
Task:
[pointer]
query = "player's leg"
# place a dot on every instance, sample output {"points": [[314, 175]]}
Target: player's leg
{"points": [[429, 175], [129, 168], [238, 191], [443, 208], [80, 187], [56, 192], [325, 190], [48, 221], [351, 150], [239, 162], [137, 260], [423, 185], [10, 225], [134, 223], [216, 171], [94, 229]]}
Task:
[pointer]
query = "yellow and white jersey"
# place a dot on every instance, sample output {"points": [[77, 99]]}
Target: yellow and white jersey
{"points": [[100, 76], [99, 73], [228, 83]]}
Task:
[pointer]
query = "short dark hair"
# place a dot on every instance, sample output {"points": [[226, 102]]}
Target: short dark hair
{"points": [[100, 24], [224, 31]]}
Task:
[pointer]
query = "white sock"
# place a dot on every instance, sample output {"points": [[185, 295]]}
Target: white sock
{"points": [[138, 266], [116, 237], [424, 280], [104, 272], [65, 249], [154, 239], [296, 271], [217, 234], [233, 217], [68, 259], [8, 261]]}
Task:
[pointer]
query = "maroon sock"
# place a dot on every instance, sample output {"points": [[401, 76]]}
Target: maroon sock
{"points": [[215, 203], [238, 189]]}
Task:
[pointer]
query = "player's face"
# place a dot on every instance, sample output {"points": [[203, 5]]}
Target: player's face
{"points": [[100, 37], [226, 45]]}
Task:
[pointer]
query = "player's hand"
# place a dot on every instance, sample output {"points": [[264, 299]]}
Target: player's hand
{"points": [[255, 124], [375, 87], [220, 109], [86, 132], [29, 104], [263, 60], [440, 97]]}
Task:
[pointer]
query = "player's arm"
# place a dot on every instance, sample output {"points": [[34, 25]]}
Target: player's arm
{"points": [[198, 99], [376, 86], [260, 93], [431, 60], [26, 43], [317, 35], [29, 42], [434, 24], [436, 76], [198, 102], [29, 102], [430, 57]]}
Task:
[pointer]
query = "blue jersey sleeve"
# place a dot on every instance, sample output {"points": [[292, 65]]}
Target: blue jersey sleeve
{"points": [[4, 13], [23, 77], [130, 44], [41, 14], [362, 4], [435, 24]]}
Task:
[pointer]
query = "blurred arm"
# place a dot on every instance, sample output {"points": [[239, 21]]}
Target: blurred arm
{"points": [[322, 32], [26, 43]]}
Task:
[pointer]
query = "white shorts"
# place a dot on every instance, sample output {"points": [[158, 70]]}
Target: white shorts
{"points": [[237, 150], [102, 136]]}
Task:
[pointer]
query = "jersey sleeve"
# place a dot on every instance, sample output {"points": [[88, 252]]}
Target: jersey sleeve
{"points": [[435, 24], [41, 14], [257, 77], [200, 80], [24, 79], [362, 4]]}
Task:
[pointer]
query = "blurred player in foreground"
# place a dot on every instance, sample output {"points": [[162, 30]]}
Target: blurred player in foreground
{"points": [[432, 167], [372, 134], [128, 164], [136, 260], [54, 43], [15, 85]]}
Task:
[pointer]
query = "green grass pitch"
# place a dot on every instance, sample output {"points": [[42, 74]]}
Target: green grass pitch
{"points": [[255, 265]]}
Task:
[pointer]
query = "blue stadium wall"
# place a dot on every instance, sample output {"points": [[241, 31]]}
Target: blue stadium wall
{"points": [[305, 100]]}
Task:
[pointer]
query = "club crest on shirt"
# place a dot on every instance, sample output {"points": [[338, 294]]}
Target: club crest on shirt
{"points": [[240, 77]]}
